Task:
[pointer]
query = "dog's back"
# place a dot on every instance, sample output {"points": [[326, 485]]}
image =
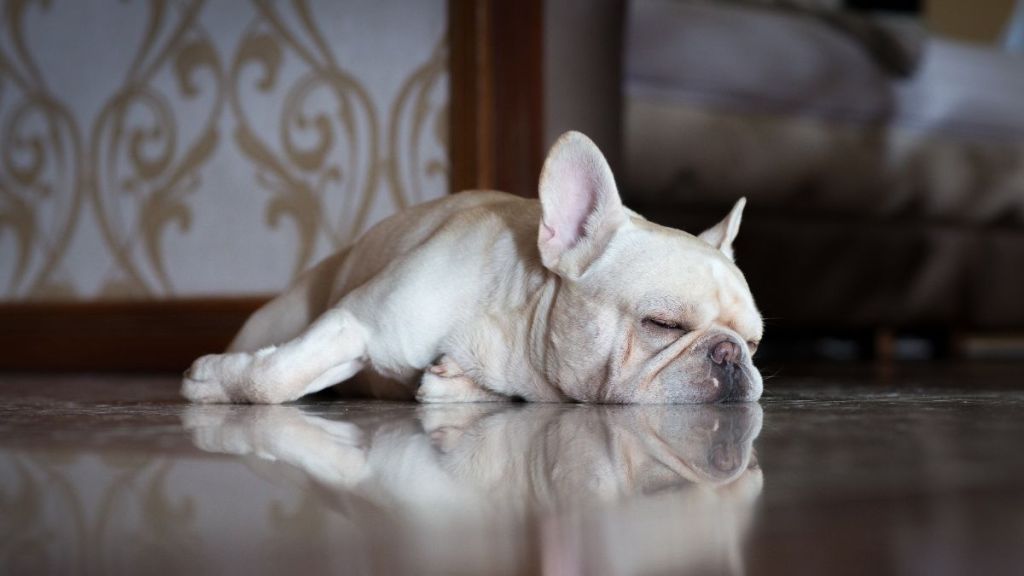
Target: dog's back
{"points": [[316, 290]]}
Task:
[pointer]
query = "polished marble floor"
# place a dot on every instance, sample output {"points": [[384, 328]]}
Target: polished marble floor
{"points": [[848, 471]]}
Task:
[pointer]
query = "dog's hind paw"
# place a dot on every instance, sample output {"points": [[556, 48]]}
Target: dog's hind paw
{"points": [[441, 389], [445, 367]]}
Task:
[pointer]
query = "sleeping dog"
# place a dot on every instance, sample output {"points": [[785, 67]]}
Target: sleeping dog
{"points": [[484, 296]]}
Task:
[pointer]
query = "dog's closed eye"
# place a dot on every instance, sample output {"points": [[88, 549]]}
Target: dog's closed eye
{"points": [[664, 324]]}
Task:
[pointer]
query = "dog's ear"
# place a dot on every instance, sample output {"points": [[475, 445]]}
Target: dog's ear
{"points": [[580, 205], [723, 234]]}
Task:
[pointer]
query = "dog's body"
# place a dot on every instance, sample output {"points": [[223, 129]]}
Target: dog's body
{"points": [[491, 296]]}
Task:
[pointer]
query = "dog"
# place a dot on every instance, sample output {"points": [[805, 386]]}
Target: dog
{"points": [[485, 296], [489, 488]]}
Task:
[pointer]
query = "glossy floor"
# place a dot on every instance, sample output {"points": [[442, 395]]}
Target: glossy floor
{"points": [[857, 473]]}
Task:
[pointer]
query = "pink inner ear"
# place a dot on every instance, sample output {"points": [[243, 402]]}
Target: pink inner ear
{"points": [[575, 204], [547, 234]]}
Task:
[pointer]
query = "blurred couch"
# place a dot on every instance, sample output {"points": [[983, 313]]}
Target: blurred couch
{"points": [[884, 168]]}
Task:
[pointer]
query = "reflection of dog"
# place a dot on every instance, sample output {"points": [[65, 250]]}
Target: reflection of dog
{"points": [[663, 487], [495, 296]]}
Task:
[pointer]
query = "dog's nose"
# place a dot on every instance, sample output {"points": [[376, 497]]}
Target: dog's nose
{"points": [[725, 352], [725, 458]]}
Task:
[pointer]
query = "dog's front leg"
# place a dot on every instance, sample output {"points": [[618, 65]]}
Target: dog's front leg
{"points": [[331, 451], [330, 350]]}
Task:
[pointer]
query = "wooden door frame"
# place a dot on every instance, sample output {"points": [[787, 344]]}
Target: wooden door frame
{"points": [[497, 116]]}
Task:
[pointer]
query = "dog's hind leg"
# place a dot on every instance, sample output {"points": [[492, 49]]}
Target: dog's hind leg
{"points": [[286, 316], [330, 350]]}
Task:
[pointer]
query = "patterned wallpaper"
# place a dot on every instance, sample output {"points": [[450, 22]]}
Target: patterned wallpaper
{"points": [[166, 148]]}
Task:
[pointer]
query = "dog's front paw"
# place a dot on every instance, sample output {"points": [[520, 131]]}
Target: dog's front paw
{"points": [[203, 391], [197, 417], [203, 382]]}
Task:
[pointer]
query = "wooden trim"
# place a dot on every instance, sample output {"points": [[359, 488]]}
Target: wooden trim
{"points": [[150, 336], [496, 67]]}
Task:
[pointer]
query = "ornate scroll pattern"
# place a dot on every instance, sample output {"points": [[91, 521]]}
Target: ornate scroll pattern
{"points": [[143, 165], [419, 115], [113, 183], [135, 170], [23, 531], [49, 525], [40, 160], [323, 168]]}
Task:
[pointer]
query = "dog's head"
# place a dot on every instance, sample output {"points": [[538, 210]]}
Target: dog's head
{"points": [[644, 313]]}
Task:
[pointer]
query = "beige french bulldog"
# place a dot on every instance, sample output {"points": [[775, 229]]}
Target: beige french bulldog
{"points": [[484, 296]]}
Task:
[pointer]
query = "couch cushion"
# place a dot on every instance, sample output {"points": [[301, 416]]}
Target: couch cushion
{"points": [[722, 101], [750, 59]]}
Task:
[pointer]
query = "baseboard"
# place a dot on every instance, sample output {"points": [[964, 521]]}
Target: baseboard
{"points": [[145, 336]]}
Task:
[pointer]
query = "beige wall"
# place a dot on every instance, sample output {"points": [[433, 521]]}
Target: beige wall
{"points": [[209, 148], [971, 20]]}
